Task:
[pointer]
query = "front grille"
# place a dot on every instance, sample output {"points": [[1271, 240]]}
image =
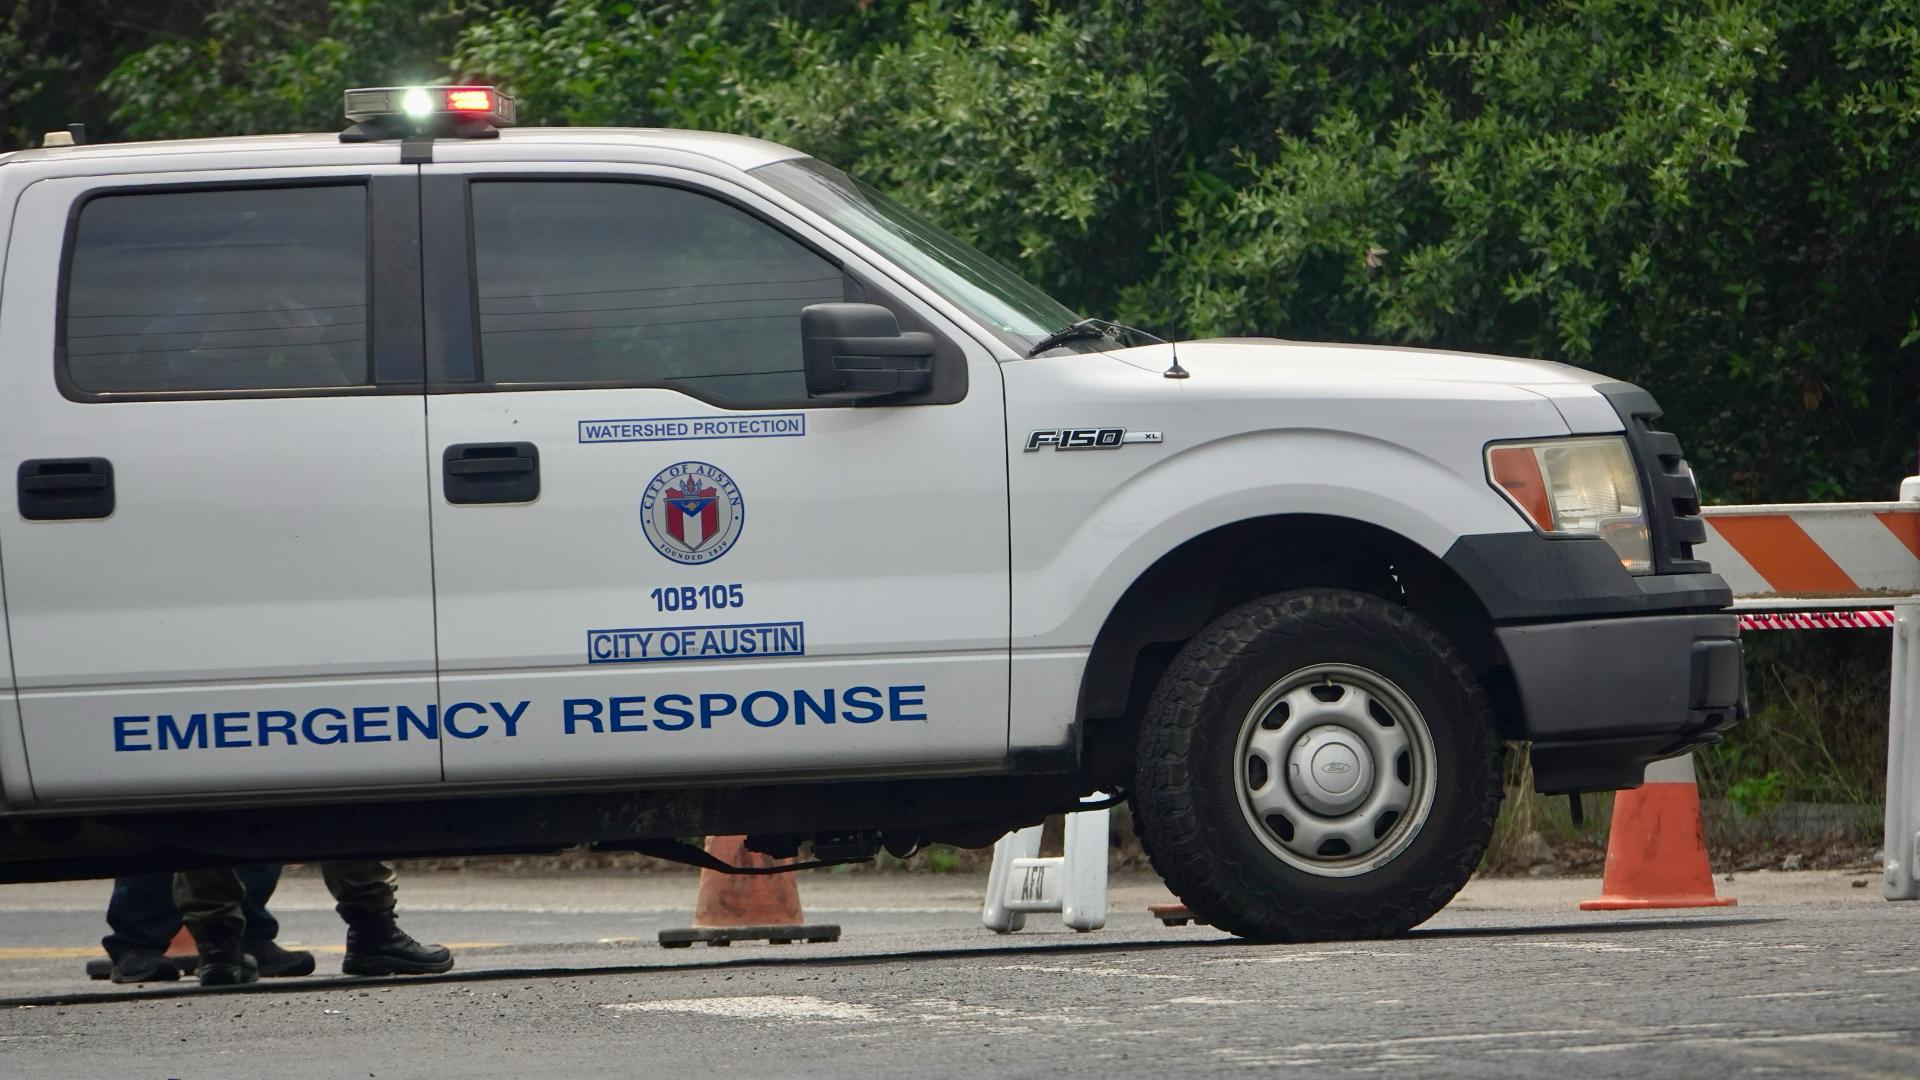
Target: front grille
{"points": [[1673, 510]]}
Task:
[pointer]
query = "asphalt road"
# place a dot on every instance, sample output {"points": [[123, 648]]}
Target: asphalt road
{"points": [[560, 977]]}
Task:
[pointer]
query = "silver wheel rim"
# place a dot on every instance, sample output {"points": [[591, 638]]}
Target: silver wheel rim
{"points": [[1334, 770]]}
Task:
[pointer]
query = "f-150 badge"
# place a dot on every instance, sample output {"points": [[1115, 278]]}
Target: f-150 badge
{"points": [[1089, 438]]}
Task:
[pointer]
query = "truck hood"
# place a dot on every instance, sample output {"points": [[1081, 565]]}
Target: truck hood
{"points": [[1314, 360], [1263, 365]]}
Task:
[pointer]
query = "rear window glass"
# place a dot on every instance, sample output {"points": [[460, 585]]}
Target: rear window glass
{"points": [[233, 289]]}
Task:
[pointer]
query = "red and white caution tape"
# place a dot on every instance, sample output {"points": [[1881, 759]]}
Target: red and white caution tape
{"points": [[1818, 620]]}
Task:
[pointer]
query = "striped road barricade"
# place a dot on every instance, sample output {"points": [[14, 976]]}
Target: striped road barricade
{"points": [[1831, 566]]}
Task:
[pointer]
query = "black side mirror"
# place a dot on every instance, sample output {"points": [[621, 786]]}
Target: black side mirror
{"points": [[856, 351]]}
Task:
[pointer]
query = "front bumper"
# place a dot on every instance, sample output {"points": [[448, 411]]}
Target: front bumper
{"points": [[1613, 670], [1603, 697]]}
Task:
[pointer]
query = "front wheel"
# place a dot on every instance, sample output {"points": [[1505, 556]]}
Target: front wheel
{"points": [[1317, 764]]}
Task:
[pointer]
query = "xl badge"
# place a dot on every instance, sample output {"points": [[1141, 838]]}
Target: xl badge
{"points": [[1088, 438], [692, 512]]}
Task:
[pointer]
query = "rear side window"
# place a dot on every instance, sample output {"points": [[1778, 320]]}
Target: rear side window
{"points": [[218, 290], [611, 283]]}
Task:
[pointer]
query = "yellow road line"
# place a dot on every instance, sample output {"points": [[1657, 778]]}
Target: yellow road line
{"points": [[88, 952]]}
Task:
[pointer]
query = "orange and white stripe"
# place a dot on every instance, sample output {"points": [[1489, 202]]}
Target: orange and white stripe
{"points": [[1852, 551]]}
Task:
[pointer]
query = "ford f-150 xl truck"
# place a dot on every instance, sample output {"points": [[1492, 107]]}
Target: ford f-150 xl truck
{"points": [[439, 486]]}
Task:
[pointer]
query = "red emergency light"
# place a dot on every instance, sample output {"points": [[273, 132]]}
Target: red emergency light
{"points": [[470, 99]]}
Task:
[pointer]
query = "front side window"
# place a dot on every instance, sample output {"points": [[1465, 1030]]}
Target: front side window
{"points": [[219, 290], [630, 284]]}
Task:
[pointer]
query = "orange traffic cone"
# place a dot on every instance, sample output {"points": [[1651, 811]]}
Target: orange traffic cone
{"points": [[184, 952], [1656, 849], [1174, 915], [746, 907]]}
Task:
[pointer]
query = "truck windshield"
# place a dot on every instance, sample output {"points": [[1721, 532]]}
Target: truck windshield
{"points": [[976, 283]]}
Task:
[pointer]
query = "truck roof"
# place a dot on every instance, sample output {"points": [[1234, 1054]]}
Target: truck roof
{"points": [[740, 151]]}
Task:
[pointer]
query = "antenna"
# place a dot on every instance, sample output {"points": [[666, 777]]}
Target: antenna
{"points": [[1176, 371]]}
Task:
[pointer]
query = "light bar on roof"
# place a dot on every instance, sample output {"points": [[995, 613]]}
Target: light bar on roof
{"points": [[420, 103]]}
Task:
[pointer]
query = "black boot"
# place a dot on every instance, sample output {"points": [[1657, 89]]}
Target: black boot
{"points": [[278, 963], [143, 965], [224, 963], [377, 946]]}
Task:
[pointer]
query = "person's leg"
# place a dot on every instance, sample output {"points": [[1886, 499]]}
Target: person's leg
{"points": [[360, 887], [363, 894], [210, 904], [141, 921], [259, 879], [140, 914], [274, 962]]}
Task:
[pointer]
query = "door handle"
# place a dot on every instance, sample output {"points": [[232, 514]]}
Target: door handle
{"points": [[491, 472], [491, 466], [65, 489]]}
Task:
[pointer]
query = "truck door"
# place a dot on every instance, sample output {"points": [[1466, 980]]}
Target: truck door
{"points": [[654, 555], [217, 568]]}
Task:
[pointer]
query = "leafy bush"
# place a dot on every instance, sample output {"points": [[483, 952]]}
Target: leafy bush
{"points": [[1722, 203]]}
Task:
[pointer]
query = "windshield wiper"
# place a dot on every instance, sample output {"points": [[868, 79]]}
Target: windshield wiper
{"points": [[1107, 328], [1085, 328]]}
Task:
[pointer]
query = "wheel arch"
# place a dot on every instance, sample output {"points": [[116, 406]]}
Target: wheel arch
{"points": [[1211, 573]]}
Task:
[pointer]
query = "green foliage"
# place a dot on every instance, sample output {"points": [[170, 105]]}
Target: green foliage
{"points": [[278, 65], [1719, 200], [1818, 731], [1752, 794], [942, 859], [27, 65]]}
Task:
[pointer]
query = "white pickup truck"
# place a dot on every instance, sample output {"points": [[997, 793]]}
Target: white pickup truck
{"points": [[433, 488]]}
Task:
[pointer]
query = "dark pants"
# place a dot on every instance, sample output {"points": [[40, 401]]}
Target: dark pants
{"points": [[213, 902], [141, 914]]}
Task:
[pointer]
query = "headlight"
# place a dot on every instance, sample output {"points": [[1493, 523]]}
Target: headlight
{"points": [[1577, 487]]}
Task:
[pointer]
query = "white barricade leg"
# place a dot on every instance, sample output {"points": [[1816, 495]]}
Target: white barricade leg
{"points": [[1073, 883], [997, 916], [1083, 895], [1903, 758]]}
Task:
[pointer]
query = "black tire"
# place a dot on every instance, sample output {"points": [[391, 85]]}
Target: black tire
{"points": [[1187, 809]]}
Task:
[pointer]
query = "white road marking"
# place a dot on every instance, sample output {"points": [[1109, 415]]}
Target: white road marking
{"points": [[1718, 943], [1307, 958], [937, 1013], [951, 1012], [1758, 1038], [643, 909], [790, 1008], [1399, 1049], [1425, 1040], [1099, 972]]}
